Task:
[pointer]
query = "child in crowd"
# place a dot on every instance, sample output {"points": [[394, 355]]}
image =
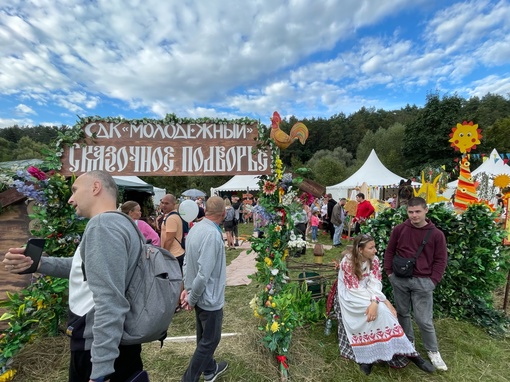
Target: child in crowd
{"points": [[314, 222]]}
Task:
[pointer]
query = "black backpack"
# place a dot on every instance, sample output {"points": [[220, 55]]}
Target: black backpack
{"points": [[185, 229]]}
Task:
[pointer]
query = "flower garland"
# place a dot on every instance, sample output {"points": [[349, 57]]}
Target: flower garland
{"points": [[274, 305], [38, 309]]}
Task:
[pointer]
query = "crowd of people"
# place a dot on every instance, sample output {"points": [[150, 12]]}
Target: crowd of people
{"points": [[370, 329]]}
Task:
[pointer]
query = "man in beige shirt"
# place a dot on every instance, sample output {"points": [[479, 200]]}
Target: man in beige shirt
{"points": [[171, 228]]}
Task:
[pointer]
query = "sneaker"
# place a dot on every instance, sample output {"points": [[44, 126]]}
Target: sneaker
{"points": [[220, 369], [422, 364], [437, 361]]}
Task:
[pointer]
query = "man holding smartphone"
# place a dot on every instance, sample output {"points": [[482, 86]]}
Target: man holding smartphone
{"points": [[98, 276]]}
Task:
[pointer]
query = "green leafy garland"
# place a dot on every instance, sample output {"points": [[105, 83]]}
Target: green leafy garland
{"points": [[39, 308], [477, 261], [279, 304]]}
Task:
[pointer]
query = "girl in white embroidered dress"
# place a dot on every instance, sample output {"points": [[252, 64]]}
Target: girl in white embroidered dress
{"points": [[369, 319]]}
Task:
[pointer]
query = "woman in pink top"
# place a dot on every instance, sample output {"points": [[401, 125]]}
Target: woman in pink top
{"points": [[134, 211], [314, 222]]}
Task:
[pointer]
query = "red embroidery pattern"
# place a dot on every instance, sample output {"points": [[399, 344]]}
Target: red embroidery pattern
{"points": [[363, 339], [376, 269], [350, 279]]}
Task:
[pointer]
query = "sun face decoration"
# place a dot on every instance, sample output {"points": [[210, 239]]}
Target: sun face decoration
{"points": [[465, 137], [502, 180]]}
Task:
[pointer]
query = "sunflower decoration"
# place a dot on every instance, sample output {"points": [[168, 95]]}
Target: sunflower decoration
{"points": [[464, 137], [502, 181]]}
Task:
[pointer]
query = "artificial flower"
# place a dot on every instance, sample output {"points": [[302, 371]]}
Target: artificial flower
{"points": [[268, 188], [36, 173]]}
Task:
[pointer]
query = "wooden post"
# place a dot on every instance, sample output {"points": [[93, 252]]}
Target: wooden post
{"points": [[507, 291]]}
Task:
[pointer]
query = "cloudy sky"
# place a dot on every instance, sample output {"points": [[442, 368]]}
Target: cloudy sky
{"points": [[60, 59]]}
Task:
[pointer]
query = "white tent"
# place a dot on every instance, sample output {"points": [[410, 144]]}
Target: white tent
{"points": [[492, 166], [373, 173], [238, 183]]}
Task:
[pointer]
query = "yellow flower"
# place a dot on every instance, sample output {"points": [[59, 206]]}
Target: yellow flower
{"points": [[268, 261], [273, 305], [285, 254], [256, 313], [40, 304], [276, 243], [275, 326], [7, 376], [270, 298]]}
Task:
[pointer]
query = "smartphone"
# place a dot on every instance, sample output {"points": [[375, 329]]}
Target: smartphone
{"points": [[34, 250]]}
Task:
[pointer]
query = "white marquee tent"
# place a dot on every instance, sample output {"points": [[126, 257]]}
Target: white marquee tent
{"points": [[238, 183], [373, 173], [492, 166]]}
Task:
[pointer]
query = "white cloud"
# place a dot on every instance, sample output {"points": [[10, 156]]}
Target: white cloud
{"points": [[490, 84], [238, 58], [7, 122], [24, 109]]}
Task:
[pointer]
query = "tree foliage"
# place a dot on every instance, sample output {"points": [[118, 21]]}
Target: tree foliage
{"points": [[426, 138], [424, 142]]}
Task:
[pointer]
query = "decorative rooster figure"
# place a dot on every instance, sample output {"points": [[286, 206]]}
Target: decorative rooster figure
{"points": [[284, 140]]}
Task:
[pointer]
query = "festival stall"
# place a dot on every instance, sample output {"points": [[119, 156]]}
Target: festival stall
{"points": [[134, 183], [238, 183], [373, 176], [492, 167]]}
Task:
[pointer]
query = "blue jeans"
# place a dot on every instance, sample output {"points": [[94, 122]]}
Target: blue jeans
{"points": [[418, 293], [338, 233], [314, 232], [208, 337]]}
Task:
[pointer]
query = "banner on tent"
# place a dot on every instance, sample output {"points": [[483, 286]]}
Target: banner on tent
{"points": [[173, 149]]}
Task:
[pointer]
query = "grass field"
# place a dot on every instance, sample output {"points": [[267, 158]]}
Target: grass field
{"points": [[469, 352]]}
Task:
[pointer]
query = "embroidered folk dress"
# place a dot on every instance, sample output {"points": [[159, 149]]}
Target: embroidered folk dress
{"points": [[368, 342]]}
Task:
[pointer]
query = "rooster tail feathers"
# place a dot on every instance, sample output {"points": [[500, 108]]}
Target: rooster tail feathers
{"points": [[299, 131]]}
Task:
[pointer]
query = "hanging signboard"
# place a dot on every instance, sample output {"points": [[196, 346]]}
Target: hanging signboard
{"points": [[167, 149]]}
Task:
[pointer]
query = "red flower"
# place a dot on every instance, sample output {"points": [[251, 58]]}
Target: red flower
{"points": [[36, 173]]}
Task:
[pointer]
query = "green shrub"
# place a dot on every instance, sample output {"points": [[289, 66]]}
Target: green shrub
{"points": [[477, 261]]}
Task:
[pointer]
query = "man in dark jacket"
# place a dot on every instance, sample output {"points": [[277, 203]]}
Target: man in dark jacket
{"points": [[331, 205], [417, 291]]}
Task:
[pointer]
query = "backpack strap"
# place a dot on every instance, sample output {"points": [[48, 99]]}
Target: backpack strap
{"points": [[164, 222], [140, 236], [418, 252]]}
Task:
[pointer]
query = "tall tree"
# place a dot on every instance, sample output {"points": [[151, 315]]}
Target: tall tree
{"points": [[388, 146], [426, 138], [26, 148], [498, 136]]}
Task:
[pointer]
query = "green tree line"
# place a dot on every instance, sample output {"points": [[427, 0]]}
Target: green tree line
{"points": [[406, 140]]}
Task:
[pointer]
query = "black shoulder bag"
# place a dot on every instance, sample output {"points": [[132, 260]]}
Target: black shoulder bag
{"points": [[404, 266]]}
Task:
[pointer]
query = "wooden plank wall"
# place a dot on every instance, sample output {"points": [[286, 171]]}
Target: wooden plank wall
{"points": [[14, 232]]}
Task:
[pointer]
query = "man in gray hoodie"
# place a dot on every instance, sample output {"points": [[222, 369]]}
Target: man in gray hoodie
{"points": [[98, 276], [204, 290]]}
